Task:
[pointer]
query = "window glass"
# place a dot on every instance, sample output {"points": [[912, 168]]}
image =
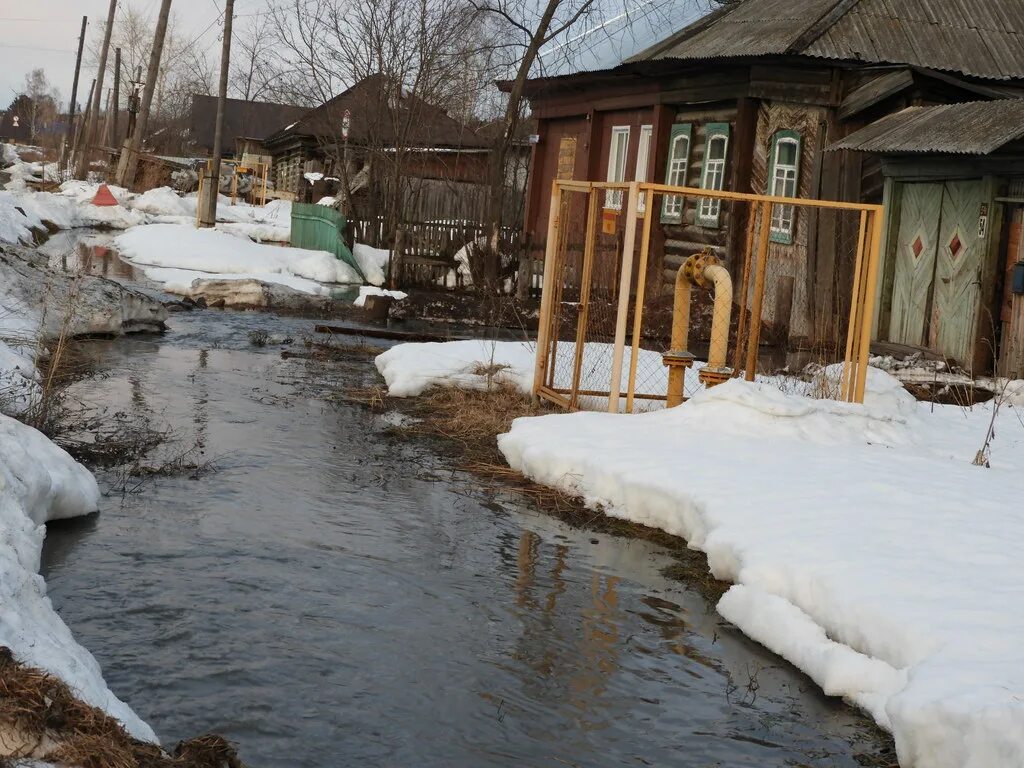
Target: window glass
{"points": [[617, 151], [713, 177]]}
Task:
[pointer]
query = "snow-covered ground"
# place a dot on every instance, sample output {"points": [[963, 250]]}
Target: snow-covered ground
{"points": [[863, 544], [203, 251], [41, 482], [410, 369], [24, 211], [38, 480]]}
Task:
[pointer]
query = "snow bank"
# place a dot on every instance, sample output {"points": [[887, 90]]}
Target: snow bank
{"points": [[162, 201], [182, 282], [410, 369], [864, 546], [41, 482], [372, 290], [373, 262], [183, 247]]}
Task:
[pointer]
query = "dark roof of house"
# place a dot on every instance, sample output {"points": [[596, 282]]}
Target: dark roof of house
{"points": [[429, 126], [974, 128], [251, 119], [980, 38]]}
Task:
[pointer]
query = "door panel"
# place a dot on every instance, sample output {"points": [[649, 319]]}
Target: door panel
{"points": [[958, 261], [916, 248]]}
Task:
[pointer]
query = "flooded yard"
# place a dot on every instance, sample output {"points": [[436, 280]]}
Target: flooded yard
{"points": [[334, 594]]}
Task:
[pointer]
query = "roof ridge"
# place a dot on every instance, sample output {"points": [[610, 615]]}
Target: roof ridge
{"points": [[821, 25]]}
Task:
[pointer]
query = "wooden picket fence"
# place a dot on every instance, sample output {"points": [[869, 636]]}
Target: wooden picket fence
{"points": [[428, 248]]}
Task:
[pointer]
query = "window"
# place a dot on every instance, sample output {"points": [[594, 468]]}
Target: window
{"points": [[783, 180], [716, 149], [617, 152], [643, 154], [675, 172]]}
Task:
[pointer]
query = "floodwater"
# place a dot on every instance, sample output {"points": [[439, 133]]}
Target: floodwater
{"points": [[335, 595]]}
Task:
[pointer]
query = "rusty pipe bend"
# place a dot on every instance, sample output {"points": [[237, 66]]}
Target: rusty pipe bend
{"points": [[700, 269]]}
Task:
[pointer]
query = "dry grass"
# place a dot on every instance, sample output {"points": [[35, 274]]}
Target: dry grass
{"points": [[324, 352], [45, 720]]}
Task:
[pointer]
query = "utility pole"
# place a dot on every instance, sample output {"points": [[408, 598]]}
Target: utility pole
{"points": [[209, 206], [82, 122], [133, 103], [97, 97], [70, 140], [115, 140], [130, 154]]}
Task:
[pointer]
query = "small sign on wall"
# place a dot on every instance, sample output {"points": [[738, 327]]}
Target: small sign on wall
{"points": [[609, 217], [983, 221]]}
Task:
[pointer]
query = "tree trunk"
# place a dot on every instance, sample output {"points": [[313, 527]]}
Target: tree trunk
{"points": [[499, 154]]}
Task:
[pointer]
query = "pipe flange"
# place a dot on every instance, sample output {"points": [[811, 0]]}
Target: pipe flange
{"points": [[711, 377], [694, 266], [677, 359]]}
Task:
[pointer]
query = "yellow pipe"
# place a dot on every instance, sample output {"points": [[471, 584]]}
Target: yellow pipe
{"points": [[678, 359], [699, 269], [720, 279]]}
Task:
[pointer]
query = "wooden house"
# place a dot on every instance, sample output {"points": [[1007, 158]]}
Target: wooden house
{"points": [[954, 197], [435, 146], [252, 121], [748, 99]]}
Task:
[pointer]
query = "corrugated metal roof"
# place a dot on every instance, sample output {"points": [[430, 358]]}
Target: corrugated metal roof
{"points": [[982, 38], [974, 128]]}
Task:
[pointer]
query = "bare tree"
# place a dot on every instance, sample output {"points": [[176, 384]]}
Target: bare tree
{"points": [[403, 65]]}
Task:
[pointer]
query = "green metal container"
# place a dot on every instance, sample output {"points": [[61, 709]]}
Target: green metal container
{"points": [[319, 228]]}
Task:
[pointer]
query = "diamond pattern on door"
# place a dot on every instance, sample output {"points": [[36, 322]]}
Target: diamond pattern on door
{"points": [[915, 262], [955, 305]]}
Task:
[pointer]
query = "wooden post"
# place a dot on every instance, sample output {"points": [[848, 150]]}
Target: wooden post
{"points": [[848, 381], [115, 138], [81, 124], [209, 206], [743, 291], [764, 238], [638, 307], [89, 134], [130, 154], [873, 247], [73, 104], [547, 292], [590, 241], [625, 280]]}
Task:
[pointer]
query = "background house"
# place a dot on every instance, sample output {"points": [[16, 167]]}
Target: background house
{"points": [[392, 135], [747, 99], [954, 197], [250, 121]]}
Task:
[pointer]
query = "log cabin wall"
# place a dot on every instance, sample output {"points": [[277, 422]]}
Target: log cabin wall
{"points": [[689, 236], [789, 263]]}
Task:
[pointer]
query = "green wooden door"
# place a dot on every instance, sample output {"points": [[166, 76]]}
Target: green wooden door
{"points": [[914, 274], [958, 262]]}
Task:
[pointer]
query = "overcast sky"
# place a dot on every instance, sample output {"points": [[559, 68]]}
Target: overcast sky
{"points": [[44, 33]]}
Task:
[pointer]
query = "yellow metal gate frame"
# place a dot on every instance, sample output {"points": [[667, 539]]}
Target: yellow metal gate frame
{"points": [[862, 304]]}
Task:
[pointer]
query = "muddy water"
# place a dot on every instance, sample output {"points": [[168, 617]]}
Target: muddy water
{"points": [[334, 595]]}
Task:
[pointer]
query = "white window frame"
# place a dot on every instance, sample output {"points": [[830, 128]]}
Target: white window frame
{"points": [[713, 174], [676, 168], [617, 165], [643, 157], [784, 181]]}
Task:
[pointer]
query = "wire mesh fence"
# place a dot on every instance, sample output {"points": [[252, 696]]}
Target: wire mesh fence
{"points": [[667, 290]]}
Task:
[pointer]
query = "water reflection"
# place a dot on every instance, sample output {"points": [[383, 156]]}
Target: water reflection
{"points": [[332, 596]]}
